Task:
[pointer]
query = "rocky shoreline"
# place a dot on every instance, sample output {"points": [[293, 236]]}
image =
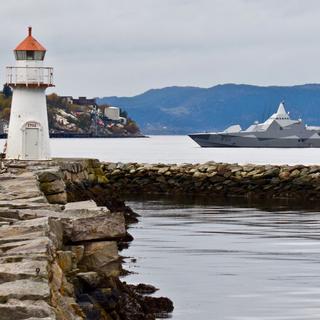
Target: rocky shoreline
{"points": [[219, 180], [63, 224], [60, 259], [64, 135]]}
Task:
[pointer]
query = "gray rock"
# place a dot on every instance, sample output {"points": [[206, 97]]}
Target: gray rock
{"points": [[91, 277], [105, 225], [49, 175], [24, 290], [99, 256], [59, 198], [89, 204], [26, 269], [37, 246], [53, 187], [19, 310]]}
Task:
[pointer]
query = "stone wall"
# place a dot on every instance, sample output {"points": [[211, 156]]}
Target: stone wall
{"points": [[61, 260], [216, 180], [33, 284], [69, 180]]}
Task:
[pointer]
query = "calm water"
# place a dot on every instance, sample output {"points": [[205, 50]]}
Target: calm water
{"points": [[174, 149], [228, 263]]}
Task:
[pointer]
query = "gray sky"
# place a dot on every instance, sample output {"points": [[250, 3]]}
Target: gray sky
{"points": [[124, 47]]}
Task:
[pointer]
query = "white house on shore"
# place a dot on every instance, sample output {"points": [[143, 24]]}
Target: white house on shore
{"points": [[113, 113]]}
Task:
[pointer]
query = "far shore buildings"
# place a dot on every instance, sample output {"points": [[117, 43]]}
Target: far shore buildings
{"points": [[81, 101], [109, 112]]}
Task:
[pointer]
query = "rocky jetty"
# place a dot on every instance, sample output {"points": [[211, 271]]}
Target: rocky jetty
{"points": [[63, 225], [216, 180], [61, 260]]}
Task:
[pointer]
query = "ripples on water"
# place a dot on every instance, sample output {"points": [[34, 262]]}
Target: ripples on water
{"points": [[228, 263]]}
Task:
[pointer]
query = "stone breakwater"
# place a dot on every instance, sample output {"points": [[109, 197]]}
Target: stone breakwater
{"points": [[216, 180], [60, 260], [63, 225]]}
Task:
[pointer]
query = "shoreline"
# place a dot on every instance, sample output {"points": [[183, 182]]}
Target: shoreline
{"points": [[77, 136]]}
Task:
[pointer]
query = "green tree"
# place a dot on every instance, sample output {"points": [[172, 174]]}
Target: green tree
{"points": [[123, 113], [84, 121], [7, 92], [6, 113]]}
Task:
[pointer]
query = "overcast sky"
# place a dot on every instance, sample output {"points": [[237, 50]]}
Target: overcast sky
{"points": [[125, 47]]}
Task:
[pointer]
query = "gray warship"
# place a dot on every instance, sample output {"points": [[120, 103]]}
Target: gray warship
{"points": [[279, 131]]}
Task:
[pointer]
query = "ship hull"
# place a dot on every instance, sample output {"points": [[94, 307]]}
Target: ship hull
{"points": [[215, 140]]}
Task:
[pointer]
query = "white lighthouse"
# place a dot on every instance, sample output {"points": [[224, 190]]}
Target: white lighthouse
{"points": [[28, 136]]}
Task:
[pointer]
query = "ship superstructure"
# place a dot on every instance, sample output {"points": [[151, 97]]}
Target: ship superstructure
{"points": [[278, 131]]}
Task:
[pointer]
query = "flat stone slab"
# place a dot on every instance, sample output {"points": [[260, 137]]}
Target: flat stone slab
{"points": [[22, 237], [27, 214], [22, 204], [24, 290], [26, 269], [94, 226], [27, 309], [25, 227], [19, 258], [35, 246], [89, 204]]}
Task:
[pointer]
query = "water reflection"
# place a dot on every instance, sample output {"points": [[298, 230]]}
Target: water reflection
{"points": [[219, 262]]}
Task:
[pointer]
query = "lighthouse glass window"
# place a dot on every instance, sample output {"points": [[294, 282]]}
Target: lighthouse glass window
{"points": [[39, 55], [29, 55], [21, 55]]}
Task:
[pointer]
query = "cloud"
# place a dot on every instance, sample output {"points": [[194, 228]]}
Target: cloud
{"points": [[124, 47]]}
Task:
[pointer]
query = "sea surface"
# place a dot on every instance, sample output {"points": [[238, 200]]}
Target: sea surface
{"points": [[228, 262], [174, 149]]}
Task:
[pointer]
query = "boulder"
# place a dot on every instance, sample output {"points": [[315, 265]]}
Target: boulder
{"points": [[49, 176], [102, 257], [103, 225], [58, 198], [91, 278], [53, 187]]}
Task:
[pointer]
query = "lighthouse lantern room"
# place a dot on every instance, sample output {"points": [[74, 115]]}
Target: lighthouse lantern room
{"points": [[28, 136]]}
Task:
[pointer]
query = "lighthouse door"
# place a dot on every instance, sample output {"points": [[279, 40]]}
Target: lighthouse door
{"points": [[32, 143]]}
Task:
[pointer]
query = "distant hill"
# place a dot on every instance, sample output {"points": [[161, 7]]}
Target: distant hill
{"points": [[190, 109]]}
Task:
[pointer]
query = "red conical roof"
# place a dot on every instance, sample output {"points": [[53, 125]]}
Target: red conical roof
{"points": [[30, 43]]}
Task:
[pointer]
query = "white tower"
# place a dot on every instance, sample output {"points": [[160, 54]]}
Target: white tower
{"points": [[28, 136]]}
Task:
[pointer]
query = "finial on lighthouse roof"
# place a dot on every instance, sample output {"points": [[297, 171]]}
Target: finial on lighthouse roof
{"points": [[30, 43]]}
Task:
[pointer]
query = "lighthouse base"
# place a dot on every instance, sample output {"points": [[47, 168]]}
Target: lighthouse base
{"points": [[28, 136]]}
